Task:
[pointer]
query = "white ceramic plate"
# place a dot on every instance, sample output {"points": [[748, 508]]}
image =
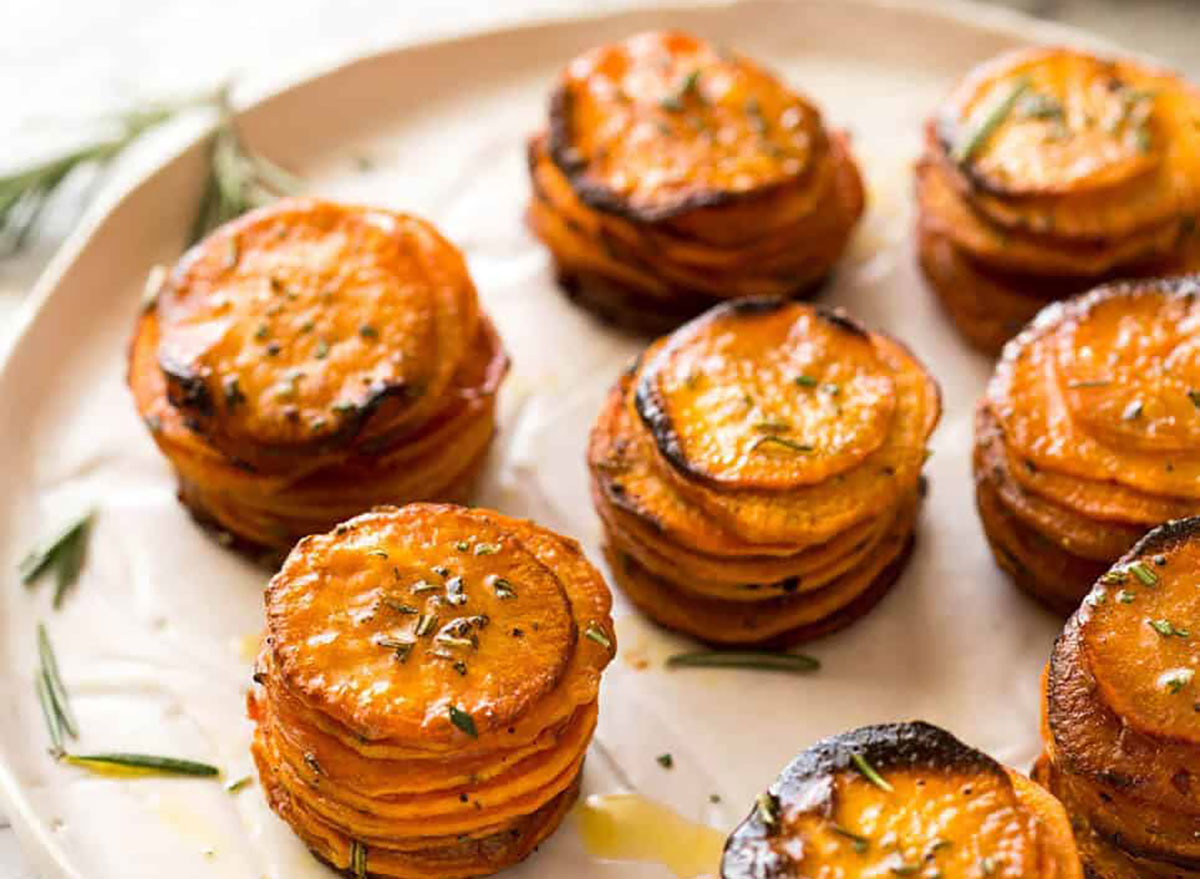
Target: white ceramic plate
{"points": [[154, 643]]}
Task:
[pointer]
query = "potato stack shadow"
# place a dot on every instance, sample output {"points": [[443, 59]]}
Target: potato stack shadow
{"points": [[1119, 724], [758, 472], [1049, 171], [674, 175], [310, 360], [1089, 434], [427, 689]]}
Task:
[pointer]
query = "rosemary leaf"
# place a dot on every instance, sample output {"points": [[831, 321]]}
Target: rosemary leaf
{"points": [[781, 441], [463, 721], [52, 717], [148, 763], [993, 117], [55, 687], [358, 859], [754, 659], [594, 632], [869, 773], [63, 553], [239, 783]]}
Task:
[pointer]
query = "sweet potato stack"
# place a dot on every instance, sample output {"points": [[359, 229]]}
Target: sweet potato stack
{"points": [[674, 175], [904, 799], [311, 360], [1089, 434], [1049, 171], [426, 689], [758, 472], [1120, 714]]}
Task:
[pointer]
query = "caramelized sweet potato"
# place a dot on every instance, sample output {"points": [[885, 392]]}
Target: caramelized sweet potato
{"points": [[674, 174], [427, 689], [901, 799]]}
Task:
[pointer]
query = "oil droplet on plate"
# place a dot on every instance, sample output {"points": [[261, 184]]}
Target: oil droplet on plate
{"points": [[628, 827]]}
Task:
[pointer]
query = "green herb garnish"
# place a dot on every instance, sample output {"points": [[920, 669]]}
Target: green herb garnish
{"points": [[860, 842], [1175, 680], [239, 783], [869, 773], [666, 761], [767, 807], [148, 763], [1166, 628], [594, 632], [1143, 572], [63, 553], [993, 117], [805, 381], [781, 441], [56, 703], [358, 859], [463, 721], [753, 659]]}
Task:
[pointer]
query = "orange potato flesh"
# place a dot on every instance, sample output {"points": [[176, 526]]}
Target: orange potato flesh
{"points": [[1127, 651], [1041, 415], [307, 320], [933, 807], [360, 738], [662, 119], [725, 385]]}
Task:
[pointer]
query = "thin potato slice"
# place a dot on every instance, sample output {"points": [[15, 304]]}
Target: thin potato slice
{"points": [[632, 123], [1039, 415], [1142, 654], [308, 325], [901, 799], [760, 394]]}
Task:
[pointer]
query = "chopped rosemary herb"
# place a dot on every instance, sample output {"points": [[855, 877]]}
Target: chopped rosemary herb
{"points": [[1144, 573], [239, 783], [358, 859], [378, 553], [63, 553], [368, 332], [993, 117], [754, 659], [400, 607], [1194, 396], [425, 624], [463, 721], [594, 632], [503, 588], [1166, 628], [310, 760], [868, 772], [767, 807], [666, 761], [143, 763], [805, 381], [462, 545], [487, 548], [905, 869], [782, 441], [423, 586], [773, 426], [1125, 596], [861, 843], [50, 714], [1176, 679]]}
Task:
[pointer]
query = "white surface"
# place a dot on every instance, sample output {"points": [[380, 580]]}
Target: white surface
{"points": [[152, 643]]}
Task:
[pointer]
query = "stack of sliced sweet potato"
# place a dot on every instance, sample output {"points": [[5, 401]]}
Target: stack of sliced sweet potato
{"points": [[1049, 171], [427, 689], [758, 471], [1121, 701], [1089, 434], [674, 175]]}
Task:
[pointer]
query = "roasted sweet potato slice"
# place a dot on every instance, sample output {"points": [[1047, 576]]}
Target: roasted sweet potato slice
{"points": [[634, 127], [760, 394], [901, 799], [813, 513], [1049, 391], [1091, 147], [1142, 654], [310, 324]]}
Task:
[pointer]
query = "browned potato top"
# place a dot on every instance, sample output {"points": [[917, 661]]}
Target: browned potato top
{"points": [[299, 322], [1140, 634], [901, 800], [664, 122], [401, 620], [766, 394]]}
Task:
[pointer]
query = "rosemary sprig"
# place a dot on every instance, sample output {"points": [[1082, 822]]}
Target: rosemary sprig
{"points": [[869, 772], [62, 553], [358, 859], [25, 192], [239, 784], [239, 179], [147, 763], [53, 692], [463, 721], [754, 659], [993, 117], [595, 632]]}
